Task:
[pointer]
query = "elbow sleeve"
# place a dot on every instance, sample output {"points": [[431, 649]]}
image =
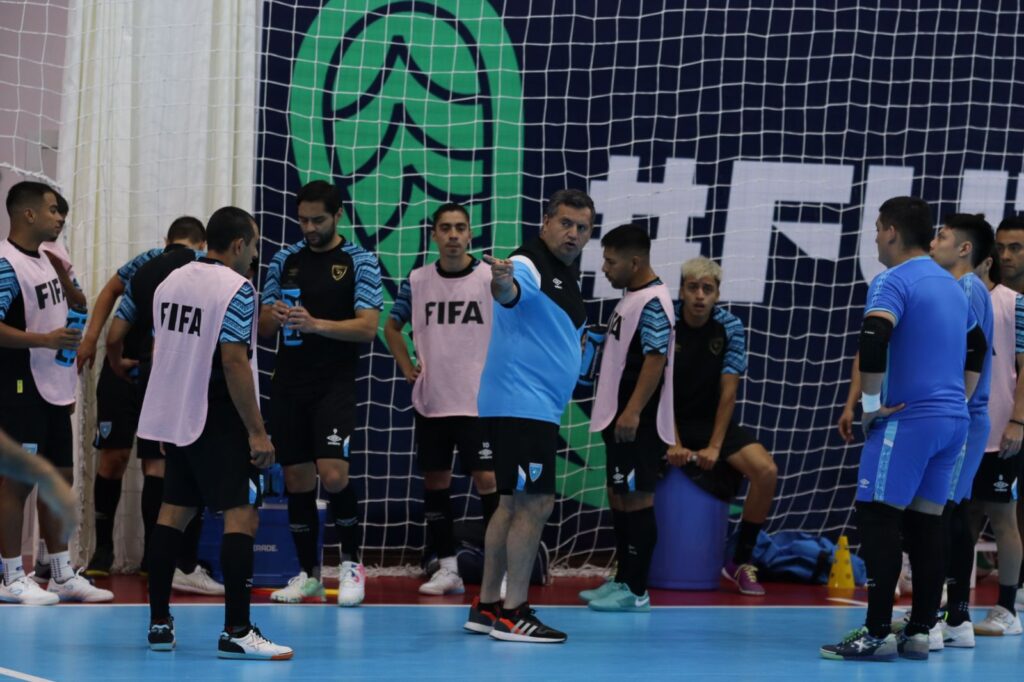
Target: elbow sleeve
{"points": [[977, 347], [874, 344]]}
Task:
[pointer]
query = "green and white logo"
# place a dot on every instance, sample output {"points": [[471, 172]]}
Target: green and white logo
{"points": [[405, 105]]}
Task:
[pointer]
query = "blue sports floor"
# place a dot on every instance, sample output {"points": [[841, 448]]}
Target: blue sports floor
{"points": [[427, 642]]}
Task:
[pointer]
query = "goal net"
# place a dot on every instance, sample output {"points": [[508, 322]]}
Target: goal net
{"points": [[764, 138]]}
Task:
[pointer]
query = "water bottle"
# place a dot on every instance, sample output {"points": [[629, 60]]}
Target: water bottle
{"points": [[76, 320], [591, 359], [290, 295]]}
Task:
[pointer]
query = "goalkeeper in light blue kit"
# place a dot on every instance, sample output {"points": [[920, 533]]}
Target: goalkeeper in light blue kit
{"points": [[917, 326]]}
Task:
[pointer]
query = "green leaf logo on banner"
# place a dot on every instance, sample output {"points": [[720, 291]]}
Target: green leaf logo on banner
{"points": [[405, 105]]}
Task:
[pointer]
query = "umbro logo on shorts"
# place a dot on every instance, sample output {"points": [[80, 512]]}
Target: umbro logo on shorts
{"points": [[1001, 486], [335, 440], [865, 484], [485, 451], [557, 282]]}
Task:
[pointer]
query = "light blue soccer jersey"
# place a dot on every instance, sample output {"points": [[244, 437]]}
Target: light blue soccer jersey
{"points": [[929, 342], [980, 302], [534, 356]]}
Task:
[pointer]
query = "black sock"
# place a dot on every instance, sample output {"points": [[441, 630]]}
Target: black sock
{"points": [[164, 543], [960, 562], [643, 535], [1007, 594], [746, 538], [236, 563], [620, 526], [304, 523], [925, 547], [879, 526], [152, 498], [188, 558], [489, 503], [438, 513], [106, 493], [346, 515]]}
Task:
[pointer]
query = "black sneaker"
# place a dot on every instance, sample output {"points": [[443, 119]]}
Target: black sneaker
{"points": [[522, 625], [99, 565], [914, 647], [481, 617], [859, 645], [161, 635]]}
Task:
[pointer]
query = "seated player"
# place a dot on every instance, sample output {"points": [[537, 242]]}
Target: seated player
{"points": [[448, 303], [633, 412], [713, 449]]}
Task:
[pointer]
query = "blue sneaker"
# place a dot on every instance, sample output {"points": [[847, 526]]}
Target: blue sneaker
{"points": [[609, 587], [622, 600], [859, 645]]}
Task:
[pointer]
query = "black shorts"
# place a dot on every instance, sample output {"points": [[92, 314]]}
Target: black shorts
{"points": [[215, 471], [634, 467], [315, 423], [995, 478], [722, 480], [524, 454], [438, 437], [41, 428], [118, 404]]}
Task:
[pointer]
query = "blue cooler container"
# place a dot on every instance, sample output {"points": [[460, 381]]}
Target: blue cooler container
{"points": [[691, 535], [274, 559]]}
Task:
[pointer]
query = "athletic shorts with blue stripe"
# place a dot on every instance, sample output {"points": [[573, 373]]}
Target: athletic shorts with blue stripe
{"points": [[909, 458], [970, 458]]}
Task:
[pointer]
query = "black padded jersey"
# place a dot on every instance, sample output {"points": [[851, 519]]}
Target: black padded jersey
{"points": [[333, 285], [703, 355], [138, 343]]}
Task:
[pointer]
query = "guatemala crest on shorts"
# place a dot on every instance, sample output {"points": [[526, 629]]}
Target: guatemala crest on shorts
{"points": [[105, 429], [338, 272], [535, 470]]}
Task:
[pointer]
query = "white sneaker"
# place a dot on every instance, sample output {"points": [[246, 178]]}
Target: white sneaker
{"points": [[936, 641], [299, 589], [199, 581], [253, 646], [444, 581], [25, 590], [352, 586], [78, 588], [958, 636], [998, 622]]}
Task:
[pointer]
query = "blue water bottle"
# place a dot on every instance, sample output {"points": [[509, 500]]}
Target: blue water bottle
{"points": [[591, 355], [76, 320], [290, 295]]}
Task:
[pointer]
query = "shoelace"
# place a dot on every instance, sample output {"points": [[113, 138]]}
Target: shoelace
{"points": [[748, 571], [854, 635]]}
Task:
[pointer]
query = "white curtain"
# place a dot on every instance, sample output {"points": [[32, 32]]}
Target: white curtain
{"points": [[158, 121]]}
